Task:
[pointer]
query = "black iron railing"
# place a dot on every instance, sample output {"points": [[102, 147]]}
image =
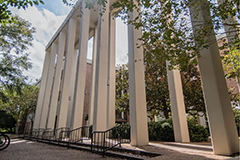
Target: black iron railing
{"points": [[48, 134], [37, 133], [27, 133], [57, 133], [76, 135], [102, 141]]}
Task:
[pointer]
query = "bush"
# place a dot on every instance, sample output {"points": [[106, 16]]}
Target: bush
{"points": [[155, 131], [160, 131], [197, 133], [163, 131], [238, 130], [7, 122], [123, 129], [168, 134]]}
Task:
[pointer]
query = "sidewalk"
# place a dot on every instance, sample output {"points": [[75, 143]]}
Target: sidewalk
{"points": [[181, 151], [27, 150]]}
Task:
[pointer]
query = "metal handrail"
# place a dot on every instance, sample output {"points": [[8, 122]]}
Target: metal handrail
{"points": [[75, 135], [102, 141], [48, 134], [57, 132]]}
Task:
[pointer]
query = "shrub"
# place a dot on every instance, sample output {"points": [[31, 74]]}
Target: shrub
{"points": [[160, 131], [124, 130], [197, 133], [155, 131], [163, 131], [168, 134], [238, 129]]}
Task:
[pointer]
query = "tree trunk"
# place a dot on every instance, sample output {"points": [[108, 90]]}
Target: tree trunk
{"points": [[165, 112]]}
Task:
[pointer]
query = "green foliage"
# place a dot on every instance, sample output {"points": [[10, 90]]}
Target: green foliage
{"points": [[238, 130], [122, 87], [166, 29], [197, 132], [123, 130], [163, 131], [5, 13], [6, 121], [15, 39], [192, 89], [157, 93], [19, 106], [236, 112], [231, 63]]}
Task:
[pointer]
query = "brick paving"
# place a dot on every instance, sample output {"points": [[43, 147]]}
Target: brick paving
{"points": [[181, 151], [28, 150]]}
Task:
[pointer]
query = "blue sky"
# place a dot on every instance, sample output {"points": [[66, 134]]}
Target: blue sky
{"points": [[55, 6], [46, 19]]}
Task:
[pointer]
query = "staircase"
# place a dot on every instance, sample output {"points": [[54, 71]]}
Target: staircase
{"points": [[105, 143]]}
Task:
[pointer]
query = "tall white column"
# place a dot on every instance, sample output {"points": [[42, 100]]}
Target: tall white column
{"points": [[93, 76], [177, 106], [220, 115], [100, 97], [56, 83], [111, 75], [137, 93], [72, 88], [48, 86], [78, 100], [65, 88], [38, 112]]}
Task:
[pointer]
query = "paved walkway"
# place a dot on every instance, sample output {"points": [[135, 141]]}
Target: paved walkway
{"points": [[181, 151], [28, 150]]}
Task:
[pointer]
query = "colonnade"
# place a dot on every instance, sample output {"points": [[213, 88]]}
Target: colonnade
{"points": [[61, 95]]}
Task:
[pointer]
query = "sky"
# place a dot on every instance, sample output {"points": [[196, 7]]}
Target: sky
{"points": [[46, 19]]}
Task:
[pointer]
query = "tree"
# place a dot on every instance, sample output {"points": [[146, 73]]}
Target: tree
{"points": [[157, 93], [5, 13], [122, 87], [231, 64], [169, 21], [192, 89], [15, 38], [19, 106]]}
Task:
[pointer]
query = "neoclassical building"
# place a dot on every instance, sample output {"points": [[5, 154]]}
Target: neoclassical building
{"points": [[68, 74]]}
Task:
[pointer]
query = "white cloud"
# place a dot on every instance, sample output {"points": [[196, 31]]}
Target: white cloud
{"points": [[46, 24]]}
